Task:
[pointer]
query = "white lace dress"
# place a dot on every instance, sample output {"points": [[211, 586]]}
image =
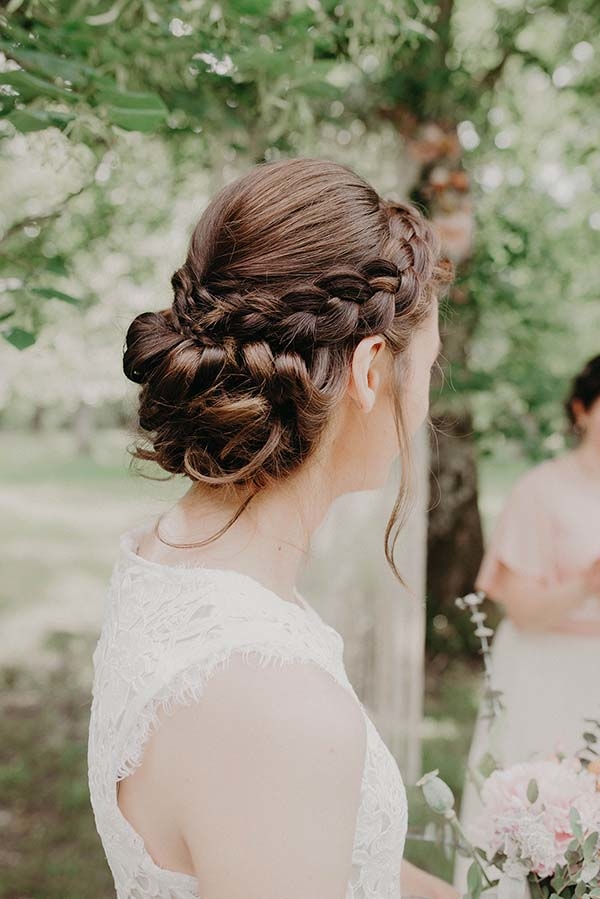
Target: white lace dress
{"points": [[166, 629]]}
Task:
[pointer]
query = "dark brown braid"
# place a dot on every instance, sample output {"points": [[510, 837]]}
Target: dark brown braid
{"points": [[287, 270]]}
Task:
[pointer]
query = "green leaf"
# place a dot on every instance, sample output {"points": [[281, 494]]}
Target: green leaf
{"points": [[589, 872], [19, 338], [254, 59], [135, 119], [576, 823], [26, 120], [57, 265], [589, 845], [533, 791], [131, 100], [30, 87], [474, 883], [48, 64], [487, 764], [133, 111], [312, 80], [50, 293], [249, 7]]}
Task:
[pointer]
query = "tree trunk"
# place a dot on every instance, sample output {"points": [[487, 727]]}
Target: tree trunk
{"points": [[83, 429], [455, 538], [37, 419]]}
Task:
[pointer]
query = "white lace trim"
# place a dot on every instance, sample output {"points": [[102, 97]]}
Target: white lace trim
{"points": [[167, 630]]}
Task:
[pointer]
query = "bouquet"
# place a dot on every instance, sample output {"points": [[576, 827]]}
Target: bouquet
{"points": [[538, 836]]}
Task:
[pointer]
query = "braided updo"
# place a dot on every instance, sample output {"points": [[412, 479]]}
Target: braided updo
{"points": [[289, 267]]}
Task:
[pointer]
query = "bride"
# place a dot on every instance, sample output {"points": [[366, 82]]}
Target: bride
{"points": [[293, 366]]}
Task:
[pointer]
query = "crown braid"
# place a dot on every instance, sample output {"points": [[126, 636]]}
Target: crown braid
{"points": [[241, 374]]}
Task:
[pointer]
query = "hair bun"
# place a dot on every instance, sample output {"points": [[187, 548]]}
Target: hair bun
{"points": [[150, 337], [288, 268]]}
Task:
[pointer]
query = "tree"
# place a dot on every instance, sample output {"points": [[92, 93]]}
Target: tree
{"points": [[491, 107]]}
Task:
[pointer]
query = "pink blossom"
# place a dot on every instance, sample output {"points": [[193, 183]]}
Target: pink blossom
{"points": [[537, 832]]}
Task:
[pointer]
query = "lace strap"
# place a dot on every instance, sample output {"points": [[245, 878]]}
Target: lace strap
{"points": [[181, 674]]}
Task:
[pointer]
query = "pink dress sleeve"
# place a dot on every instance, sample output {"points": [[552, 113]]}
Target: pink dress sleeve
{"points": [[523, 537]]}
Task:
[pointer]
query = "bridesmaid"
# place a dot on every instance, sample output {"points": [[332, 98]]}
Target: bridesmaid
{"points": [[543, 566]]}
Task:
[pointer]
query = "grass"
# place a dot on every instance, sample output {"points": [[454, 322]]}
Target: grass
{"points": [[49, 848], [450, 710]]}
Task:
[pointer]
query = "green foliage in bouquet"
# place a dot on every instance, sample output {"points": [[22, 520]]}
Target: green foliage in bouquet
{"points": [[577, 875]]}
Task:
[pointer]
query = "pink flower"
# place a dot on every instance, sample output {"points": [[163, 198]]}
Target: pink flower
{"points": [[537, 832]]}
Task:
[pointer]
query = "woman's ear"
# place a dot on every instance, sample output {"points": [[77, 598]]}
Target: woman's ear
{"points": [[366, 376], [579, 411]]}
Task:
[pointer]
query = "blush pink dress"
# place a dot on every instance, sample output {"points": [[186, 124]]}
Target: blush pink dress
{"points": [[549, 529]]}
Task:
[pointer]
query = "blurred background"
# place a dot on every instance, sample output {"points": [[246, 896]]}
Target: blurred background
{"points": [[118, 121]]}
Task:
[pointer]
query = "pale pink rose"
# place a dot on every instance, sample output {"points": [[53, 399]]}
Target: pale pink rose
{"points": [[539, 831]]}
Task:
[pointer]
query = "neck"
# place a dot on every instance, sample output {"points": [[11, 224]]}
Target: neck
{"points": [[588, 456], [271, 538]]}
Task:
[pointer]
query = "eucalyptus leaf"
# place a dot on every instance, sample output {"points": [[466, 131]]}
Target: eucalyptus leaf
{"points": [[575, 820], [589, 845], [474, 881], [487, 764], [589, 871], [533, 791]]}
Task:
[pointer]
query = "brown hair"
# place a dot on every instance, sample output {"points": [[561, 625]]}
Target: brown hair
{"points": [[585, 388], [289, 267]]}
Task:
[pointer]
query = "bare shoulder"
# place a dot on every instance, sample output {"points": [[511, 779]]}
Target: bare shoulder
{"points": [[268, 778], [298, 704]]}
